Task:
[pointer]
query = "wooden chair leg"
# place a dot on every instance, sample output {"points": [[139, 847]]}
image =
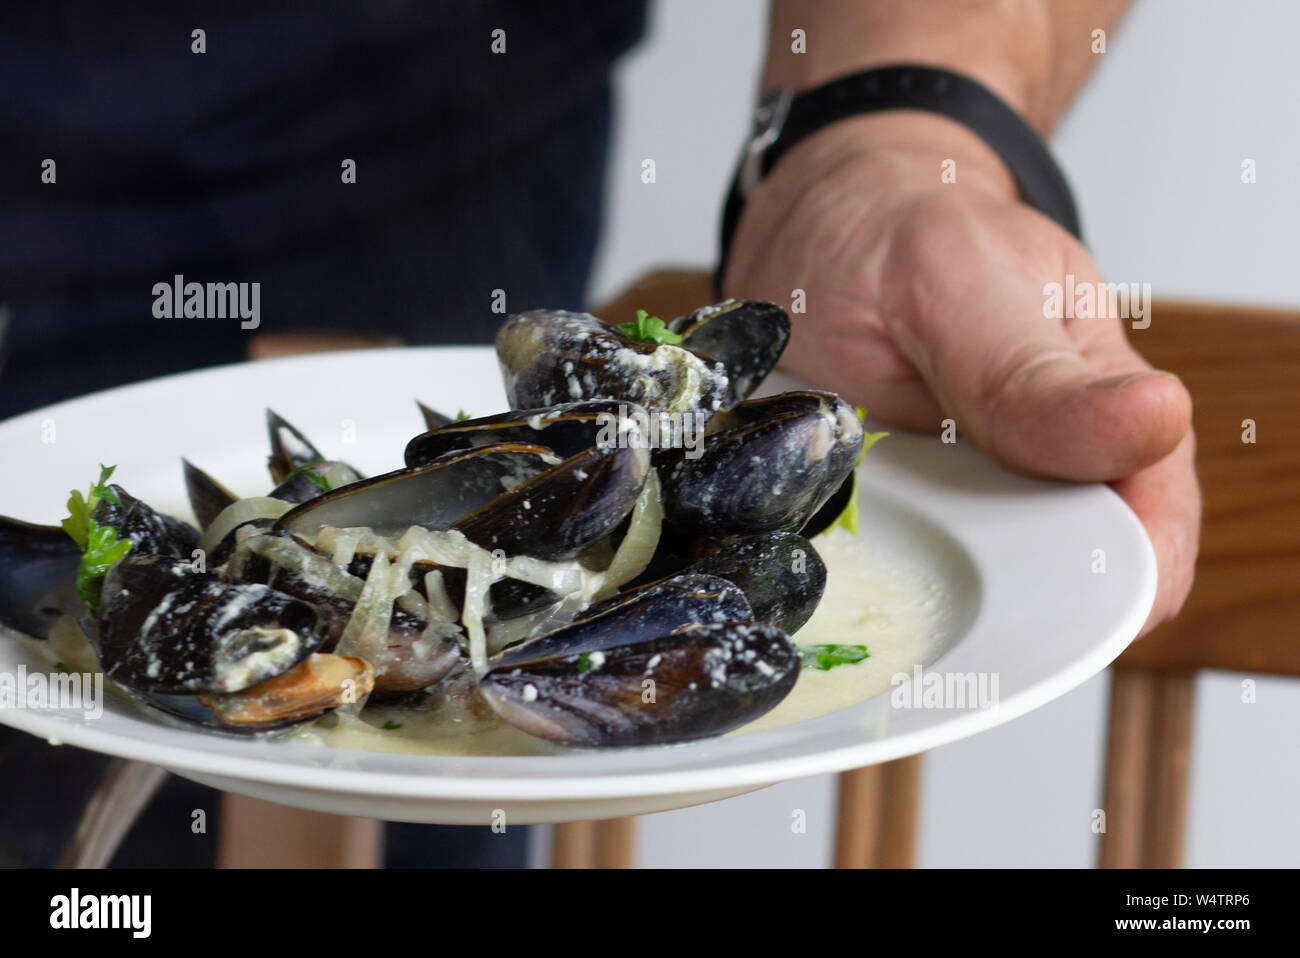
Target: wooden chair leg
{"points": [[604, 844], [257, 834], [575, 845], [1147, 756], [878, 807]]}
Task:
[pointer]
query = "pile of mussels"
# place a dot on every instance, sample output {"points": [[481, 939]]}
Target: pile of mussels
{"points": [[588, 591]]}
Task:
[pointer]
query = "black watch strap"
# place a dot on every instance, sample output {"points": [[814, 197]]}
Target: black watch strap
{"points": [[781, 121]]}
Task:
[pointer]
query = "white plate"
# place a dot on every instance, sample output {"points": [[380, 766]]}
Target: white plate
{"points": [[1015, 554]]}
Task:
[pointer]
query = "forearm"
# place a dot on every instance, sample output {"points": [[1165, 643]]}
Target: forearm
{"points": [[1035, 54]]}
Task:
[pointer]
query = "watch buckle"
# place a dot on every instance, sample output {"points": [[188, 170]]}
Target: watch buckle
{"points": [[769, 120]]}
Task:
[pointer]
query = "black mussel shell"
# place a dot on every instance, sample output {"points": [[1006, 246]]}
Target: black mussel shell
{"points": [[746, 336], [290, 449], [553, 356], [831, 510], [150, 531], [38, 571], [166, 628], [644, 613], [557, 514], [767, 465], [432, 496], [780, 573], [297, 467], [207, 496], [433, 420], [697, 682], [566, 430]]}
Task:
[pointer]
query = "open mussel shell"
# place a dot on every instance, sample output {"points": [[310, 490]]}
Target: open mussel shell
{"points": [[433, 420], [557, 514], [208, 497], [553, 356], [38, 571], [290, 449], [316, 685], [298, 468], [746, 336], [566, 430], [406, 660], [766, 465], [149, 530], [700, 681], [432, 496], [166, 628], [185, 711]]}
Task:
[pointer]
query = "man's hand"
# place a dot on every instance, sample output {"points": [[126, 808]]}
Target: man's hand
{"points": [[925, 301]]}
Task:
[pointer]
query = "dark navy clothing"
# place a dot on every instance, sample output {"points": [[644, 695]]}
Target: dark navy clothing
{"points": [[475, 171]]}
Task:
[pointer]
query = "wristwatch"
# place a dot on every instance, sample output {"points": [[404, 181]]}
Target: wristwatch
{"points": [[782, 119]]}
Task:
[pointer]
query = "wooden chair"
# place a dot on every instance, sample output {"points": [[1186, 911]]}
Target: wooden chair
{"points": [[1239, 364]]}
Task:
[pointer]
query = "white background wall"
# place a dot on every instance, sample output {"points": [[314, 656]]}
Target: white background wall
{"points": [[1186, 91]]}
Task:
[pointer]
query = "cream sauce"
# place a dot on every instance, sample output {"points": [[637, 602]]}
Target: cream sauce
{"points": [[896, 609]]}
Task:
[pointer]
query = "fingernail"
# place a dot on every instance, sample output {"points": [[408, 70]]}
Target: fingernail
{"points": [[1118, 382]]}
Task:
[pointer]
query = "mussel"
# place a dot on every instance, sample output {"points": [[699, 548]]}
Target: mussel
{"points": [[149, 530], [167, 628], [38, 570], [767, 465], [676, 661], [301, 472], [551, 356], [513, 497]]}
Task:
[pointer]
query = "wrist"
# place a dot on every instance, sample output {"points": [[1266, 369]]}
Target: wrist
{"points": [[915, 150]]}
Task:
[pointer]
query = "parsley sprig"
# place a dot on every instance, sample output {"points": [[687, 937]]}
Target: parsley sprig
{"points": [[649, 329], [849, 517], [823, 658], [308, 469], [99, 544]]}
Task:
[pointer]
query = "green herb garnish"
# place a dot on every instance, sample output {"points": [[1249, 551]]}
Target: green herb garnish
{"points": [[649, 329], [823, 658], [103, 550], [461, 416], [584, 662], [306, 470], [390, 725], [849, 517], [99, 544], [81, 508]]}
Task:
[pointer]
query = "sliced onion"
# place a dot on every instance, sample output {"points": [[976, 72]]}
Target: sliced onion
{"points": [[477, 582], [638, 547], [237, 514]]}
